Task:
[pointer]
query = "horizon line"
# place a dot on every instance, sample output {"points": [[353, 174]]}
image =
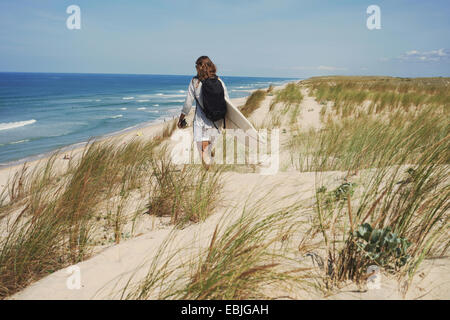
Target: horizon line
{"points": [[145, 74]]}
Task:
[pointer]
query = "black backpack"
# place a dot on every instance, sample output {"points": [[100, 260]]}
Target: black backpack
{"points": [[213, 96]]}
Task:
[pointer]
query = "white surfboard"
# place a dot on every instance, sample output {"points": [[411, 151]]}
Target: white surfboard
{"points": [[234, 119]]}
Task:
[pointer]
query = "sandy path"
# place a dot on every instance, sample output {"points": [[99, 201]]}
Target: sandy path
{"points": [[310, 112]]}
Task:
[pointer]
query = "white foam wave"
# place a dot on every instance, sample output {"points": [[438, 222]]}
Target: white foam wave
{"points": [[14, 142], [174, 95], [156, 105], [20, 141], [143, 108], [12, 125], [127, 98], [170, 95], [240, 90], [117, 116], [123, 108], [143, 100]]}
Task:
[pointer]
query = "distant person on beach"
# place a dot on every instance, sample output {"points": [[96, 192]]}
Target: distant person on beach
{"points": [[205, 129]]}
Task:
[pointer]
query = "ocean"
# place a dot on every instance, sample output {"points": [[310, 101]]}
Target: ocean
{"points": [[41, 112]]}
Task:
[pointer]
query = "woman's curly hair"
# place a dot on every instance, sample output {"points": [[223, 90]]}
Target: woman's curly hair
{"points": [[205, 68]]}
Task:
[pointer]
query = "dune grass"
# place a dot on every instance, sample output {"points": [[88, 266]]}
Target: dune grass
{"points": [[50, 217], [367, 142], [185, 194], [59, 213], [168, 129], [20, 184], [381, 93], [289, 96], [253, 102], [398, 217], [399, 213], [246, 259], [413, 204]]}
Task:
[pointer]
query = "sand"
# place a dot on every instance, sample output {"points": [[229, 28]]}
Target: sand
{"points": [[103, 275]]}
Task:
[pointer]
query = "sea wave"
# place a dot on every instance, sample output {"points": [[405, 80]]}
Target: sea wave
{"points": [[143, 100], [14, 142], [170, 95], [143, 108], [162, 95], [123, 108], [117, 116], [174, 95], [12, 125], [20, 141], [127, 98], [240, 90]]}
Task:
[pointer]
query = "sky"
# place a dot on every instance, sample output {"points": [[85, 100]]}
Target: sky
{"points": [[279, 38]]}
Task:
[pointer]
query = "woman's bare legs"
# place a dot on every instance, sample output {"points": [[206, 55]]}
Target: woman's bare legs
{"points": [[206, 158], [204, 150]]}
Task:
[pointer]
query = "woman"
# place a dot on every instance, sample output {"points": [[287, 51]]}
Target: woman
{"points": [[205, 130]]}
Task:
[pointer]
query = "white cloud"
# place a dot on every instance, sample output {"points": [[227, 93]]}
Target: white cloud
{"points": [[412, 52], [442, 53], [431, 56]]}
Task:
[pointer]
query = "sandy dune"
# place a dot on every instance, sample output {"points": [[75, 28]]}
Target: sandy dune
{"points": [[103, 275]]}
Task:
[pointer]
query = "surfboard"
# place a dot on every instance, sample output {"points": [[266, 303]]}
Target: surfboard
{"points": [[234, 119]]}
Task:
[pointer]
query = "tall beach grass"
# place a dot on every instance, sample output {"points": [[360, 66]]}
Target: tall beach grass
{"points": [[392, 208], [245, 258], [52, 215]]}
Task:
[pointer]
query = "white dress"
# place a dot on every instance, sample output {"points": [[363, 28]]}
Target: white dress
{"points": [[204, 129]]}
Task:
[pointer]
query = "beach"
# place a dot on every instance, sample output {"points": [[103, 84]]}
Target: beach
{"points": [[116, 270]]}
